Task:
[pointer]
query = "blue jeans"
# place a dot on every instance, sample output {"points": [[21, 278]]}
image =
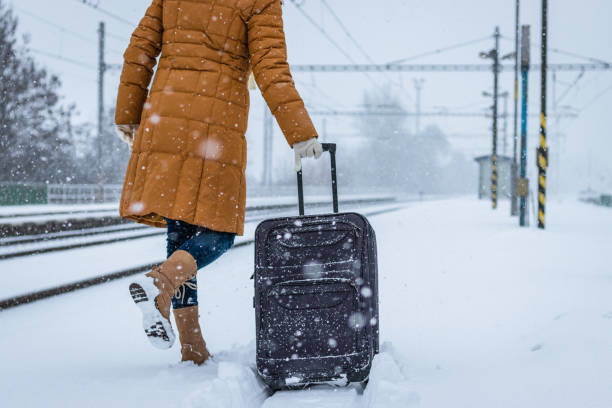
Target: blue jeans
{"points": [[205, 245]]}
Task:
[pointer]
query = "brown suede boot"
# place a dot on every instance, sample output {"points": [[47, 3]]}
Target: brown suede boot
{"points": [[153, 295], [193, 346]]}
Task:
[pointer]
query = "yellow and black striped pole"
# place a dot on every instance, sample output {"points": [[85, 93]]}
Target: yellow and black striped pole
{"points": [[495, 98], [542, 152], [494, 180]]}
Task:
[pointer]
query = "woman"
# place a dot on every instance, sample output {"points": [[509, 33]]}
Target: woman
{"points": [[187, 169]]}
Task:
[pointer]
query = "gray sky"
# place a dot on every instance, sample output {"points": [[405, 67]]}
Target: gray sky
{"points": [[387, 30]]}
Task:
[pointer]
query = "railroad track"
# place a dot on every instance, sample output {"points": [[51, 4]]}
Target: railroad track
{"points": [[52, 241], [46, 224], [53, 236], [71, 287]]}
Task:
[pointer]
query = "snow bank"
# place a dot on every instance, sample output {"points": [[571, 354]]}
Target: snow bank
{"points": [[389, 385], [230, 381], [234, 382]]}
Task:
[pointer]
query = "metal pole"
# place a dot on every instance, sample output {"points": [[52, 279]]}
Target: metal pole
{"points": [[555, 134], [542, 151], [513, 181], [505, 95], [101, 72], [418, 86], [523, 183], [267, 159], [323, 135], [495, 100], [270, 146]]}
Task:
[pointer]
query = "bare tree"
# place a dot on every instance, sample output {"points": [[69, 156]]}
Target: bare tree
{"points": [[35, 128]]}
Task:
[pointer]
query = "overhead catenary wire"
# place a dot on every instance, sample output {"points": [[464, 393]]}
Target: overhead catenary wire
{"points": [[573, 54], [106, 13], [57, 26], [122, 38], [312, 21], [357, 44], [323, 94], [322, 31], [441, 50], [347, 31], [581, 74], [484, 105], [63, 59], [62, 29], [595, 99], [570, 87]]}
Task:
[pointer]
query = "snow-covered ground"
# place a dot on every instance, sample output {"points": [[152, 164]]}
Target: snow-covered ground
{"points": [[475, 312], [50, 270]]}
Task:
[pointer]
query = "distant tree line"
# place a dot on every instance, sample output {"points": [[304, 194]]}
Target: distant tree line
{"points": [[386, 155], [394, 156], [39, 140]]}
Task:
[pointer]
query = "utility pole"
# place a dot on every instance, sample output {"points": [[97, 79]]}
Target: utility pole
{"points": [[523, 182], [495, 103], [323, 135], [513, 181], [554, 132], [542, 150], [101, 72], [418, 87], [494, 55], [505, 96], [267, 147]]}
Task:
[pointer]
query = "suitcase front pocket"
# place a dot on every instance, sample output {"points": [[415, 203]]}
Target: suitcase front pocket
{"points": [[314, 243], [310, 318]]}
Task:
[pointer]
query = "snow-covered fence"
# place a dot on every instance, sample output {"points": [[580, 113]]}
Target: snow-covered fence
{"points": [[40, 193], [82, 193], [22, 193]]}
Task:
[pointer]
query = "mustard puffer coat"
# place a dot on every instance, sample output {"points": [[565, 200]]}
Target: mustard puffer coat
{"points": [[189, 154]]}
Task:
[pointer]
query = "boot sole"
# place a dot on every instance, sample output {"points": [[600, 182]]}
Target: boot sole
{"points": [[157, 328]]}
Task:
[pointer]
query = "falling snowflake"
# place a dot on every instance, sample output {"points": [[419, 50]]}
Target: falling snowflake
{"points": [[136, 207], [356, 321], [155, 119]]}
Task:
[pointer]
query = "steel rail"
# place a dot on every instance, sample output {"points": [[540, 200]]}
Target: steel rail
{"points": [[80, 224], [86, 283], [45, 250], [85, 232]]}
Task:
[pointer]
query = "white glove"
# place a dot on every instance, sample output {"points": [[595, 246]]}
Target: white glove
{"points": [[308, 148], [127, 133]]}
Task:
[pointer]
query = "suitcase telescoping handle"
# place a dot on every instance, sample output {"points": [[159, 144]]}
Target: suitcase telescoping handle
{"points": [[331, 148]]}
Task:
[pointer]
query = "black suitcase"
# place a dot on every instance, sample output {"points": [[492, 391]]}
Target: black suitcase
{"points": [[316, 296]]}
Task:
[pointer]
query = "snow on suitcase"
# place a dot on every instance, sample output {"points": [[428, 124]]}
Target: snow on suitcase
{"points": [[316, 296]]}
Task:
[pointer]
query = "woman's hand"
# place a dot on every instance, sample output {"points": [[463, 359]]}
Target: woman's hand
{"points": [[308, 148], [127, 133]]}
